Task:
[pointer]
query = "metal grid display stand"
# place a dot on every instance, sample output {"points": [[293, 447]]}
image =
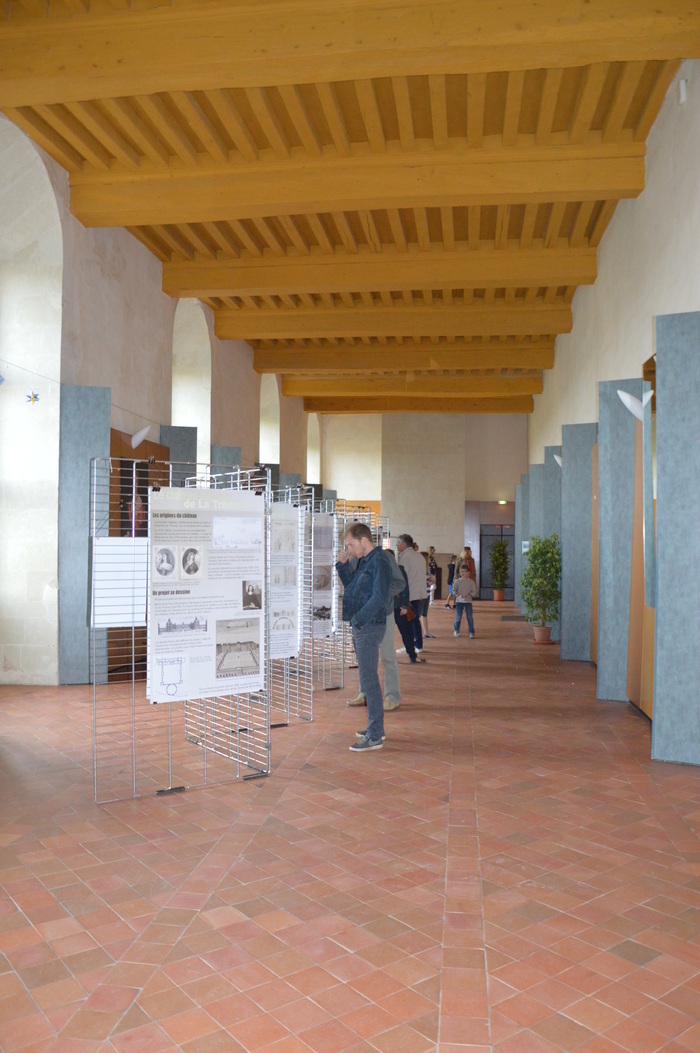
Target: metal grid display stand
{"points": [[291, 678], [329, 650], [140, 748]]}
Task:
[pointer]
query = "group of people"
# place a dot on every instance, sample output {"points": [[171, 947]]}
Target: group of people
{"points": [[380, 592]]}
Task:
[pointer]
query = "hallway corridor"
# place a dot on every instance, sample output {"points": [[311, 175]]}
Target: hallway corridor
{"points": [[510, 874]]}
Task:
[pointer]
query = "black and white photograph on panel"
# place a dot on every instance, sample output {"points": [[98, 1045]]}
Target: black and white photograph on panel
{"points": [[182, 625], [191, 560], [237, 647], [283, 575], [164, 561], [322, 577], [251, 595]]}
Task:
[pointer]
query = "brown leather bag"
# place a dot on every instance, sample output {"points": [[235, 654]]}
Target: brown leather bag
{"points": [[410, 613]]}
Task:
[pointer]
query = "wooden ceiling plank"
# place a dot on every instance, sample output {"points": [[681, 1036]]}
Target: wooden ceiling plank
{"points": [[268, 121], [88, 114], [269, 234], [293, 233], [419, 404], [397, 229], [438, 110], [511, 116], [164, 123], [223, 238], [548, 103], [556, 216], [197, 120], [369, 229], [77, 135], [502, 222], [448, 228], [422, 231], [369, 108], [201, 192], [346, 235], [196, 46], [622, 97], [148, 238], [656, 96], [601, 223], [590, 87], [246, 240], [413, 321], [291, 97], [175, 241], [334, 117], [47, 137], [401, 385], [234, 124], [201, 245], [476, 95], [320, 233], [474, 226], [528, 227], [578, 231], [402, 359], [404, 112]]}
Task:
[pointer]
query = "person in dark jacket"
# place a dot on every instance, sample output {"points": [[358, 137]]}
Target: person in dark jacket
{"points": [[367, 592]]}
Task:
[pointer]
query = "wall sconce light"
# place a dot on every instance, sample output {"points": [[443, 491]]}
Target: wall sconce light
{"points": [[138, 436], [557, 458], [635, 405], [502, 502]]}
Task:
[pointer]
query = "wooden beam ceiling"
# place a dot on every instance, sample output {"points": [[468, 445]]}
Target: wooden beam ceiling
{"points": [[394, 203]]}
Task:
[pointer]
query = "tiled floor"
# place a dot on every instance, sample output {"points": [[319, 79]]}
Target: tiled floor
{"points": [[510, 874]]}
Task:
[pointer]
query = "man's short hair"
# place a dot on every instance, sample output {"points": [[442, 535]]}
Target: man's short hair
{"points": [[358, 531], [407, 540]]}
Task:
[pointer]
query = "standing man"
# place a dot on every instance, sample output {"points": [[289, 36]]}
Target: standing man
{"points": [[367, 591], [414, 565]]}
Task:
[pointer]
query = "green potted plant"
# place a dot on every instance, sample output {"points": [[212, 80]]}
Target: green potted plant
{"points": [[539, 588], [500, 563]]}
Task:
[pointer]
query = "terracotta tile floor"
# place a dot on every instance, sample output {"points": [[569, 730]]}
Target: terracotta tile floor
{"points": [[510, 874]]}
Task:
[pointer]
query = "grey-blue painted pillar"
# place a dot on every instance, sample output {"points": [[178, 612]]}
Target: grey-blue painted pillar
{"points": [[182, 443], [518, 542], [85, 433], [225, 459], [616, 454], [290, 479], [676, 717], [536, 501], [525, 530], [577, 442]]}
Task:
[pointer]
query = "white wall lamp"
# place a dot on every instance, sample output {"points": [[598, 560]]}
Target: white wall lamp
{"points": [[557, 458], [138, 436], [635, 405]]}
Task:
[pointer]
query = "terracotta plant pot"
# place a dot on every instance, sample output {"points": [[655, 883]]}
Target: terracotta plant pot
{"points": [[499, 595], [542, 633]]}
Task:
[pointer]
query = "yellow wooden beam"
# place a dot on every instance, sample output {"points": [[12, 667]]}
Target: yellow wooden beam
{"points": [[423, 404], [401, 359], [366, 271], [202, 44], [410, 179], [322, 322], [416, 384]]}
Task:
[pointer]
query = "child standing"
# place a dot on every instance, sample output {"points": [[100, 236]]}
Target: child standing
{"points": [[464, 591]]}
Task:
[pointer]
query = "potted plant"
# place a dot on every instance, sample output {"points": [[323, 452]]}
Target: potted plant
{"points": [[500, 563], [539, 588]]}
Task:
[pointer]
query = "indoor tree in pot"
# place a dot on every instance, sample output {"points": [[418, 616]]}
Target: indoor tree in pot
{"points": [[500, 563], [539, 588]]}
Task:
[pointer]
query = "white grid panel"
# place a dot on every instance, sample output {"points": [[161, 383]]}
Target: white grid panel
{"points": [[139, 748]]}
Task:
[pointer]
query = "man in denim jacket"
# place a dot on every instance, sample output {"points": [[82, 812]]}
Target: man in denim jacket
{"points": [[367, 589]]}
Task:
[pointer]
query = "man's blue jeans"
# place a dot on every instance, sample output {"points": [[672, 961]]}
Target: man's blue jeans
{"points": [[368, 640]]}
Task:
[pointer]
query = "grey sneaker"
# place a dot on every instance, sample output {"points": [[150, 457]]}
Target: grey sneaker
{"points": [[455, 634], [364, 744], [401, 650], [471, 636], [359, 700], [389, 704], [363, 735]]}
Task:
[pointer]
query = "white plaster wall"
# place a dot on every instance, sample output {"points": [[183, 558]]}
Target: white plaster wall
{"points": [[313, 449], [648, 264], [31, 263], [117, 321], [293, 435], [235, 397], [432, 464], [351, 455], [191, 374]]}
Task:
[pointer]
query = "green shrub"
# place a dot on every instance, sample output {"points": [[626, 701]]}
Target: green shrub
{"points": [[539, 588]]}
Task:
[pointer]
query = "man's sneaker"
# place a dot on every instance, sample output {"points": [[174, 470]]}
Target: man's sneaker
{"points": [[471, 636], [455, 634], [364, 745], [418, 650], [401, 650], [359, 700], [389, 704], [363, 735]]}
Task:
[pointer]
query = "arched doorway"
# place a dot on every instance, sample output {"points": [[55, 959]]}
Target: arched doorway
{"points": [[191, 397]]}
